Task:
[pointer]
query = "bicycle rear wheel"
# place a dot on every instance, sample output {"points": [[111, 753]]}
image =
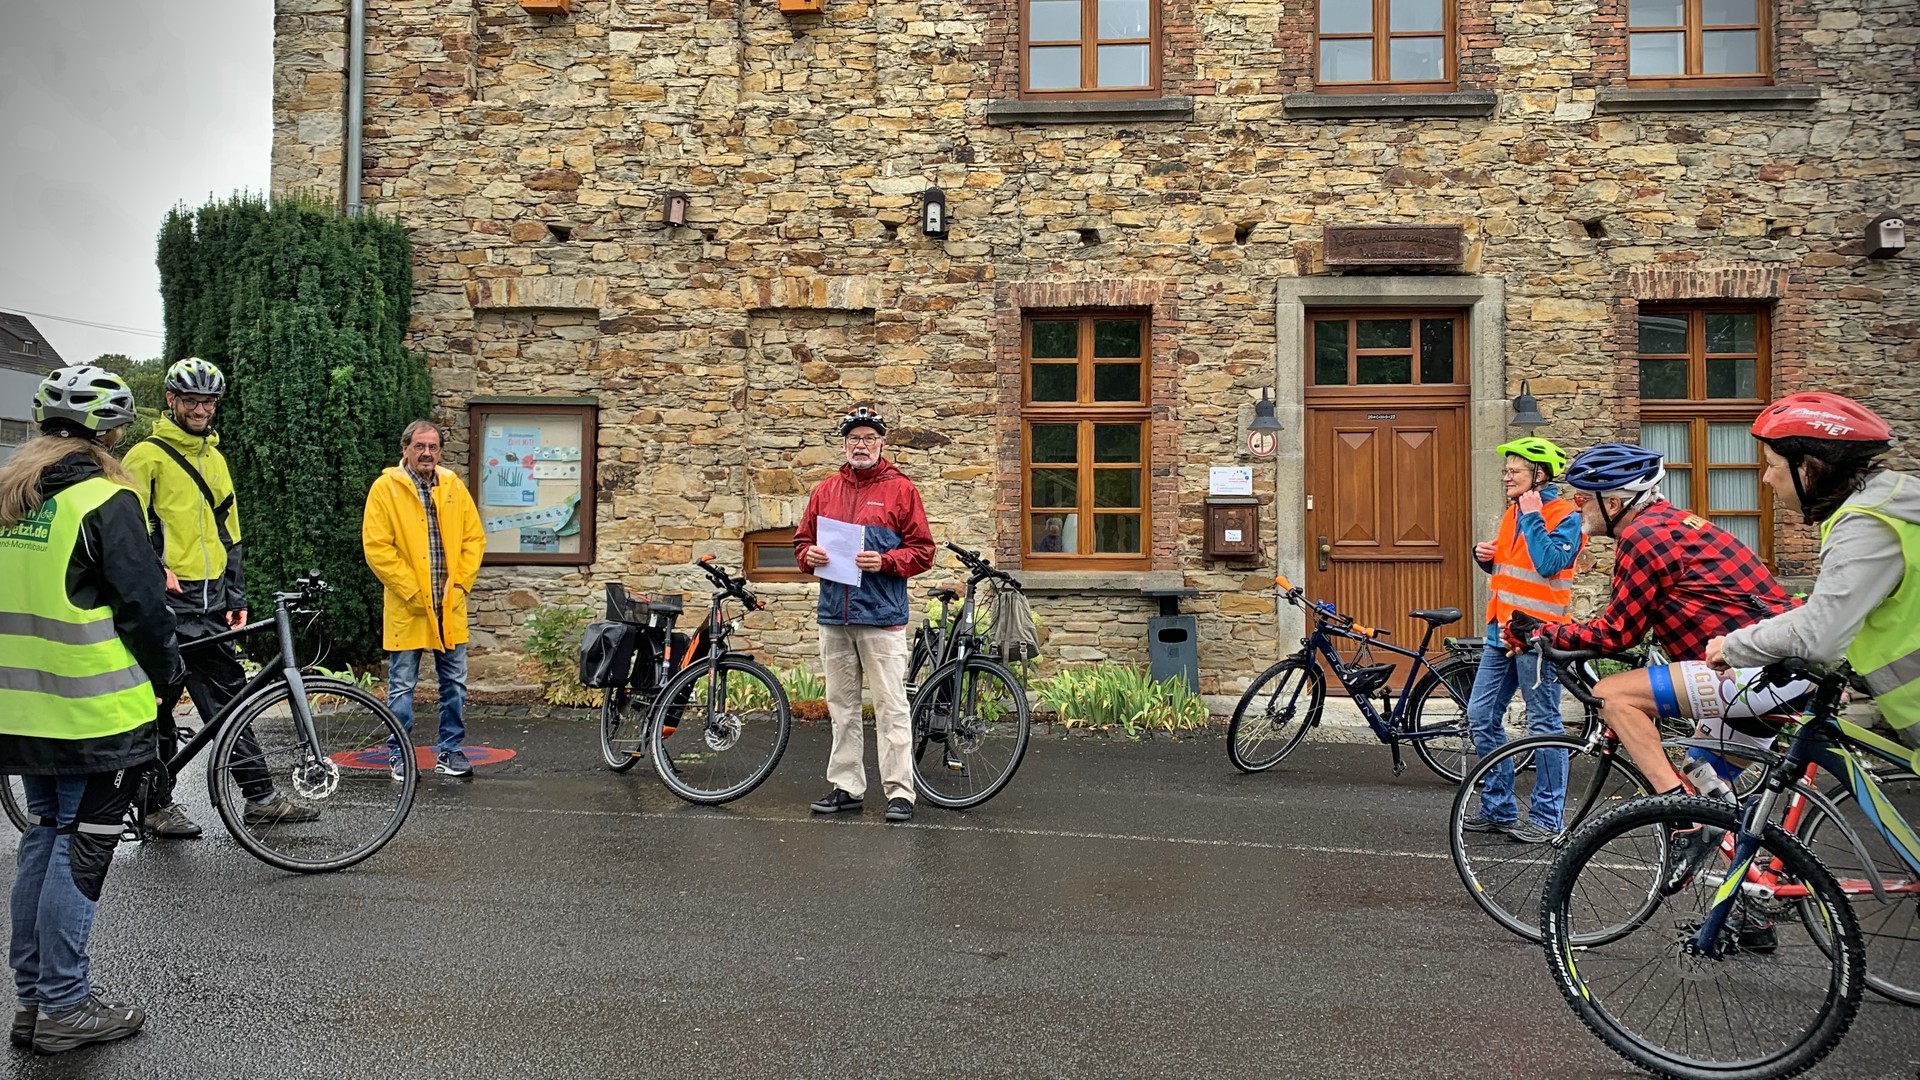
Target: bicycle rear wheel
{"points": [[622, 728], [1768, 1002], [1272, 718], [714, 752], [919, 661], [260, 754], [1505, 876], [1437, 716], [1891, 929], [13, 799], [970, 728]]}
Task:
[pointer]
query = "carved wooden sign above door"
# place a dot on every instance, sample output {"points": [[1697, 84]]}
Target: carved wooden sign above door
{"points": [[1393, 245]]}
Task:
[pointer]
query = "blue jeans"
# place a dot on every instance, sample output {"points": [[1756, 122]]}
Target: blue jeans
{"points": [[1500, 675], [53, 908], [403, 674]]}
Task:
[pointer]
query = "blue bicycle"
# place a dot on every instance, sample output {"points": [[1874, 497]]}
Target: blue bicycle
{"points": [[1289, 698]]}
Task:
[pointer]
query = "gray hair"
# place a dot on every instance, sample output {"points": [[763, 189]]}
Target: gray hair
{"points": [[415, 428]]}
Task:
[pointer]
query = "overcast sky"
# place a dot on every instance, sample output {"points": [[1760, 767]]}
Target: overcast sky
{"points": [[111, 113]]}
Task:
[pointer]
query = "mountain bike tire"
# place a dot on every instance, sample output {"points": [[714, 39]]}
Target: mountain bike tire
{"points": [[1890, 930]]}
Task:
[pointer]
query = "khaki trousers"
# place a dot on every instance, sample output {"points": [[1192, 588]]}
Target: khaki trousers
{"points": [[846, 652]]}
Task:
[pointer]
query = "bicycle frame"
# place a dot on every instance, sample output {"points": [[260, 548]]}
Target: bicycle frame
{"points": [[709, 645], [283, 667], [1389, 728]]}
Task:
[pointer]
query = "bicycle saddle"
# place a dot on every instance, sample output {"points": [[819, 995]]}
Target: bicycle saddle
{"points": [[947, 595], [1438, 616]]}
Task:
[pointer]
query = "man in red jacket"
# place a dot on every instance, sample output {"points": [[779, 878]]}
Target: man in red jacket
{"points": [[863, 627]]}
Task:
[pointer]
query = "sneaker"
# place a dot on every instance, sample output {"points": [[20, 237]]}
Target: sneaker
{"points": [[91, 1021], [22, 1032], [899, 810], [1483, 823], [453, 763], [1687, 851], [278, 810], [170, 822], [396, 764], [1528, 832], [835, 801]]}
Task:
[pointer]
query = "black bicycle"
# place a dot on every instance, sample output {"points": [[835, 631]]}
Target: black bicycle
{"points": [[322, 742], [970, 715], [713, 720]]}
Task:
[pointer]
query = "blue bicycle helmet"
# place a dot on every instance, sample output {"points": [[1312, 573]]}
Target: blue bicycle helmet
{"points": [[1612, 467]]}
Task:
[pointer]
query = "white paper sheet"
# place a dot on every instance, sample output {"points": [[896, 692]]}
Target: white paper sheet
{"points": [[842, 541]]}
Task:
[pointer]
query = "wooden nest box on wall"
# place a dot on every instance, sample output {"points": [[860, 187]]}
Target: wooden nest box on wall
{"points": [[802, 7], [546, 7]]}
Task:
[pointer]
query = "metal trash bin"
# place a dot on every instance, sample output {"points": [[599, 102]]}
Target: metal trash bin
{"points": [[1173, 648]]}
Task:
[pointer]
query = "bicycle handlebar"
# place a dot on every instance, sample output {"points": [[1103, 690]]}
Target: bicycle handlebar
{"points": [[981, 568], [727, 585]]}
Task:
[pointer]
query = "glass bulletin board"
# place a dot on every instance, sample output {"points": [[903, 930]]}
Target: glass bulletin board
{"points": [[531, 470]]}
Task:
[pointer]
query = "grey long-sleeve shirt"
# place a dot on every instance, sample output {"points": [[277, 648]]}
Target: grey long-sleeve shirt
{"points": [[1860, 564]]}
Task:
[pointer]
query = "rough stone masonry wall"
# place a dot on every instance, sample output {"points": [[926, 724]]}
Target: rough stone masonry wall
{"points": [[802, 282]]}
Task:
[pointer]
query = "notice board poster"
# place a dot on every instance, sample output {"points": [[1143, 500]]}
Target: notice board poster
{"points": [[532, 470]]}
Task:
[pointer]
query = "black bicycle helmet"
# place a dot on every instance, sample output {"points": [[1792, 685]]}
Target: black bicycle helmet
{"points": [[196, 376], [91, 398], [862, 417]]}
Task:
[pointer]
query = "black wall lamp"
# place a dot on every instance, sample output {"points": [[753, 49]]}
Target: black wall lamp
{"points": [[1263, 414], [933, 212], [1526, 410], [675, 213]]}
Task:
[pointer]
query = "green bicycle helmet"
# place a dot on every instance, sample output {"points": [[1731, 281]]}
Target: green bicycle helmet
{"points": [[196, 376], [1539, 451], [87, 397]]}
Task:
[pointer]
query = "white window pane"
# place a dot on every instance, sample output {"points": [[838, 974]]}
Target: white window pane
{"points": [[1124, 19], [1733, 489], [1668, 439], [1732, 444], [1656, 54], [1053, 68], [1677, 488], [1417, 59], [1730, 52], [1053, 20], [1124, 65], [1415, 15], [1346, 61], [1744, 529], [1729, 13], [1346, 16], [1655, 13]]}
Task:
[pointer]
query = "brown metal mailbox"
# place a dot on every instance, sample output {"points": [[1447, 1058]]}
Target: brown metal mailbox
{"points": [[1233, 527]]}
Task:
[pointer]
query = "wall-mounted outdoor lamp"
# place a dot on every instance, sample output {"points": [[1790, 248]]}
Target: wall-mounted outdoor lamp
{"points": [[546, 7], [1526, 410], [933, 212], [1263, 435], [1886, 236], [674, 214]]}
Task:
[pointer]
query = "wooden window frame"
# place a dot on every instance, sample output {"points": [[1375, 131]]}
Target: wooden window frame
{"points": [[1694, 28], [1089, 43], [1382, 37], [1354, 352], [478, 413], [750, 557], [1698, 411], [1085, 413]]}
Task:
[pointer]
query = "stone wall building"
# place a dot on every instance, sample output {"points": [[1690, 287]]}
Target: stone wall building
{"points": [[1649, 212]]}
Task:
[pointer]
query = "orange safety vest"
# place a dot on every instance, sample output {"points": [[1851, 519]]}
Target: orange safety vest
{"points": [[1516, 585]]}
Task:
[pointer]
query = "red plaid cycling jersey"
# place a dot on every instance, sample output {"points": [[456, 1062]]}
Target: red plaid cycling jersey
{"points": [[1682, 579]]}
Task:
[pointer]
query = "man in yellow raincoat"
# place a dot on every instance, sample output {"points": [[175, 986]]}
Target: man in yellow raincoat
{"points": [[423, 540]]}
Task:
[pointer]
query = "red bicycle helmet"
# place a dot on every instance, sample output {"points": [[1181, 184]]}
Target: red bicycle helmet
{"points": [[1816, 414]]}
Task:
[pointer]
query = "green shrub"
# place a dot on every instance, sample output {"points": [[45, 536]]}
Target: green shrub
{"points": [[553, 654], [1117, 695], [802, 683]]}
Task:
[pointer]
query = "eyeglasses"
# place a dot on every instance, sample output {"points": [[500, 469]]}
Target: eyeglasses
{"points": [[863, 440], [1520, 475], [197, 404]]}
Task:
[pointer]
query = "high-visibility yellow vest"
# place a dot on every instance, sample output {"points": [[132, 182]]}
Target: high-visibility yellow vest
{"points": [[1886, 651], [64, 672], [1516, 585]]}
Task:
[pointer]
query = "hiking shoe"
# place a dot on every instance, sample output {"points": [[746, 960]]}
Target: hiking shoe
{"points": [[1687, 851], [835, 801], [396, 764], [899, 810], [278, 810], [1483, 823], [1528, 832], [170, 822], [453, 763], [22, 1032], [91, 1021]]}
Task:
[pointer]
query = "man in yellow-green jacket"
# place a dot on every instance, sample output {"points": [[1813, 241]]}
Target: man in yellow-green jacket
{"points": [[422, 537]]}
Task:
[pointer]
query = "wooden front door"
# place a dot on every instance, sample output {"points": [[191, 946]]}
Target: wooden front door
{"points": [[1388, 529]]}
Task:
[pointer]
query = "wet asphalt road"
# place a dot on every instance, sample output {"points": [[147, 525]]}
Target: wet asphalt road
{"points": [[1123, 909]]}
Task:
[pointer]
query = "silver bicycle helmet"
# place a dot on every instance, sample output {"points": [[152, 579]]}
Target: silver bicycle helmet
{"points": [[85, 396], [196, 376]]}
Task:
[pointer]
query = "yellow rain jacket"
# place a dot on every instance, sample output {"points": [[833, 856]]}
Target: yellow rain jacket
{"points": [[393, 533]]}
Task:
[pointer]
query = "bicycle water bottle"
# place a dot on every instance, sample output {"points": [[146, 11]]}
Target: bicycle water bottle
{"points": [[1706, 779]]}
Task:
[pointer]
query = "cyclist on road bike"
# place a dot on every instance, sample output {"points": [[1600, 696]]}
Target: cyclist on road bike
{"points": [[1823, 458], [1531, 561]]}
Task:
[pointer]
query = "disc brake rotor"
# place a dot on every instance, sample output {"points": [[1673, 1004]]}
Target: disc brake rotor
{"points": [[316, 779]]}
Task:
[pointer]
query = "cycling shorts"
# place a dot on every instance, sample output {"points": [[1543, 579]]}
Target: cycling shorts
{"points": [[1731, 706]]}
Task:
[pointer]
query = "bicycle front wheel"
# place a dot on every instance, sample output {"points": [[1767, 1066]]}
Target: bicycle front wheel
{"points": [[1273, 716], [719, 736], [1890, 929], [1505, 875], [1437, 716], [312, 808], [622, 728], [970, 728], [1764, 1000]]}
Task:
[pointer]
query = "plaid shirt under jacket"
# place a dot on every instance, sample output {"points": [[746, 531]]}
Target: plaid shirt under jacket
{"points": [[436, 548], [1682, 579]]}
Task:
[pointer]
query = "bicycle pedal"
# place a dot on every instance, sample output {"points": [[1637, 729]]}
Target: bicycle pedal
{"points": [[955, 766]]}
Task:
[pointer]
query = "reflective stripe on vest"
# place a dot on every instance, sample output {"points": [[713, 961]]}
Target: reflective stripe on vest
{"points": [[1516, 585], [64, 672], [1886, 651]]}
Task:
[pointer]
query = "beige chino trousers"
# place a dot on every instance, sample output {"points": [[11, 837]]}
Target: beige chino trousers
{"points": [[846, 653]]}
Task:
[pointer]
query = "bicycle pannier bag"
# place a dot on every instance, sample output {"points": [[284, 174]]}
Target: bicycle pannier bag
{"points": [[606, 653], [1014, 636]]}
